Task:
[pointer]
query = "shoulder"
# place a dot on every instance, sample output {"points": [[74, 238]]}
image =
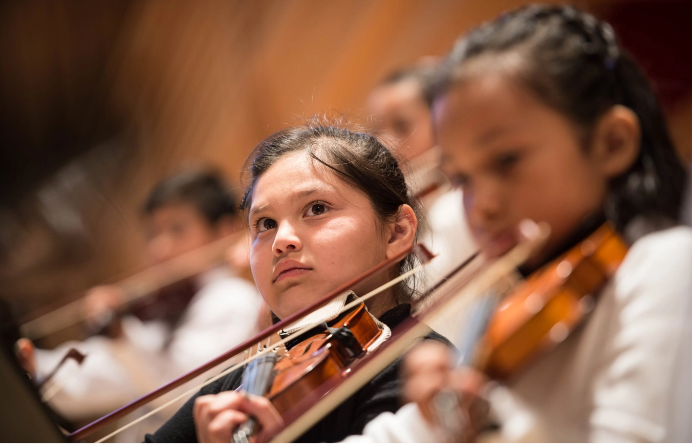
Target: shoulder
{"points": [[229, 291], [672, 244], [238, 287], [659, 262]]}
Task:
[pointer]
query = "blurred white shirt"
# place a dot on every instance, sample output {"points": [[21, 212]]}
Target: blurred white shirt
{"points": [[221, 315]]}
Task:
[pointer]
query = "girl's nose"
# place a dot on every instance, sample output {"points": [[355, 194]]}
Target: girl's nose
{"points": [[482, 202], [286, 240]]}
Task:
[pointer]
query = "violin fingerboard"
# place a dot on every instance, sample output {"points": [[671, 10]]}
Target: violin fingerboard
{"points": [[476, 324], [259, 374]]}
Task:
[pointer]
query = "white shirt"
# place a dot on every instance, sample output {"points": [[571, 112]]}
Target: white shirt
{"points": [[625, 376], [444, 231], [222, 314]]}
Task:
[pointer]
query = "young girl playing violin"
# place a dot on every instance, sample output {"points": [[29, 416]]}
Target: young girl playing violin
{"points": [[324, 205], [542, 115]]}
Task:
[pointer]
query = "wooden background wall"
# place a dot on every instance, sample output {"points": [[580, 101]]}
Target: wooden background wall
{"points": [[144, 88]]}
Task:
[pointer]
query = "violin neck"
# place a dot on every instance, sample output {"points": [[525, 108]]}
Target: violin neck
{"points": [[481, 312], [257, 379]]}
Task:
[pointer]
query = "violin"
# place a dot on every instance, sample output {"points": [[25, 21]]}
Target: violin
{"points": [[550, 304], [426, 177], [324, 355], [506, 332]]}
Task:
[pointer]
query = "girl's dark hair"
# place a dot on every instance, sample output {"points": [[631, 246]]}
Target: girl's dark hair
{"points": [[357, 158], [573, 63], [205, 189]]}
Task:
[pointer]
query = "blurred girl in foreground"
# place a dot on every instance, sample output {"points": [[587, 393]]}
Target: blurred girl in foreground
{"points": [[542, 115]]}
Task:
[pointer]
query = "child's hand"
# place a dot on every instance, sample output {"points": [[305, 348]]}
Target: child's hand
{"points": [[426, 371], [24, 349], [447, 397], [217, 416], [100, 307]]}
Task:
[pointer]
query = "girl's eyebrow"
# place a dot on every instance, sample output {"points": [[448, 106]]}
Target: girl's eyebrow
{"points": [[257, 209], [293, 196], [494, 133]]}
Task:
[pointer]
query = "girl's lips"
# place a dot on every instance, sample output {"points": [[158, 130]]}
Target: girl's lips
{"points": [[291, 272], [500, 244]]}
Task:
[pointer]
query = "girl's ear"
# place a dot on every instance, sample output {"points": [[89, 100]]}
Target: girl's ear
{"points": [[616, 141], [402, 232]]}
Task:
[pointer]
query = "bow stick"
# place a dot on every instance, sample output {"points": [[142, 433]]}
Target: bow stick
{"points": [[136, 286], [424, 256]]}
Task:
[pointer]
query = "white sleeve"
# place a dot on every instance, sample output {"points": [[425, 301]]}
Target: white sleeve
{"points": [[643, 387], [223, 314], [406, 425], [107, 379], [116, 372]]}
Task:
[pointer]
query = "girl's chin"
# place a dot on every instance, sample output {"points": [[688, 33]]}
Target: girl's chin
{"points": [[298, 296]]}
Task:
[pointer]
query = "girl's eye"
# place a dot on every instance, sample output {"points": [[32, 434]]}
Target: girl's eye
{"points": [[506, 162], [265, 224], [402, 128], [459, 180], [316, 209]]}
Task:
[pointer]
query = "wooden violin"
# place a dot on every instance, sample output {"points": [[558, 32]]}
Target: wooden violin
{"points": [[325, 355], [542, 311], [506, 330]]}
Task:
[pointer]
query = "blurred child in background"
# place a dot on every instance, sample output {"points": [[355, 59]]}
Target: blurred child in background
{"points": [[400, 108], [160, 341]]}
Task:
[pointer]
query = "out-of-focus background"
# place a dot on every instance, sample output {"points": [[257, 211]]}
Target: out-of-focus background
{"points": [[100, 100]]}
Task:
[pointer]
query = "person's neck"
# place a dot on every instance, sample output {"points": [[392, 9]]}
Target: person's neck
{"points": [[381, 303]]}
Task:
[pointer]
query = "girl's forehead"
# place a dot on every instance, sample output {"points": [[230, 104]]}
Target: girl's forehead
{"points": [[293, 176], [482, 107]]}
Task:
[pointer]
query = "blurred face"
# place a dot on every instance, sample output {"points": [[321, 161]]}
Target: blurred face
{"points": [[311, 232], [176, 229], [515, 158], [400, 112]]}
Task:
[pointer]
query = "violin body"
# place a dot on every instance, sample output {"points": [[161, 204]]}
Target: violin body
{"points": [[319, 358], [543, 310]]}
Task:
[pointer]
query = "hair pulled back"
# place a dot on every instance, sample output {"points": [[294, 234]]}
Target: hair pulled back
{"points": [[359, 159], [574, 64]]}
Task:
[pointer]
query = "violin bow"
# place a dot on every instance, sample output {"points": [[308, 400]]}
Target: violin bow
{"points": [[136, 286], [420, 250]]}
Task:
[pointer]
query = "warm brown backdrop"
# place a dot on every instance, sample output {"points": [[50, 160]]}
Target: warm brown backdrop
{"points": [[136, 90]]}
